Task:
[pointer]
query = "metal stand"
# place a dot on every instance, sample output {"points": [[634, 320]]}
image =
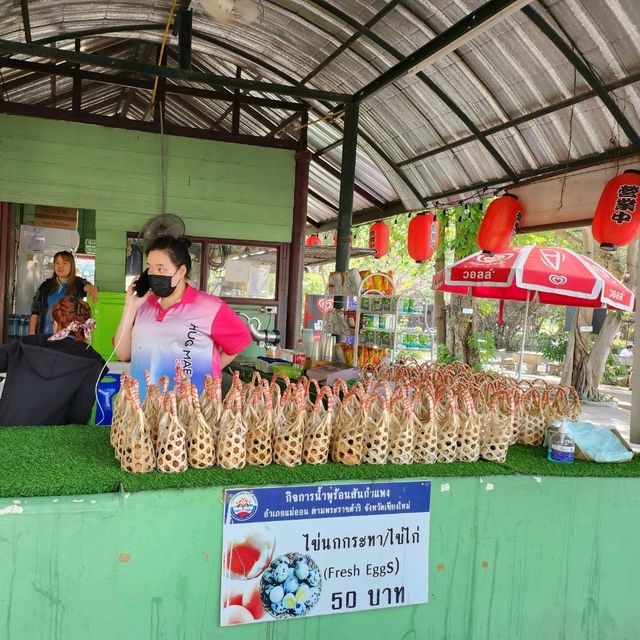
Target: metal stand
{"points": [[524, 335]]}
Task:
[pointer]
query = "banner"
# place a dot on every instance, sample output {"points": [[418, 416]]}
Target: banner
{"points": [[312, 550]]}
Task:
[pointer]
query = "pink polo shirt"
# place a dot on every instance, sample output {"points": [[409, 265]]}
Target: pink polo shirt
{"points": [[194, 330]]}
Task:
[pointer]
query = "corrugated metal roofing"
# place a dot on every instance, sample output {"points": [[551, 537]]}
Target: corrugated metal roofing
{"points": [[418, 139]]}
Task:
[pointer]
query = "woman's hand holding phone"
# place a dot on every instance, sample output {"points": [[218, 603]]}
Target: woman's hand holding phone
{"points": [[133, 298]]}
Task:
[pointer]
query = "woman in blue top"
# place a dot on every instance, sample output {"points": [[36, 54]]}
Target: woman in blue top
{"points": [[63, 282]]}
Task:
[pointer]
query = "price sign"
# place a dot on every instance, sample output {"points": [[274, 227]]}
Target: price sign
{"points": [[310, 550]]}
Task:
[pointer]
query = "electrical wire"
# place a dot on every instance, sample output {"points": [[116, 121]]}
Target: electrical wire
{"points": [[163, 44], [109, 359]]}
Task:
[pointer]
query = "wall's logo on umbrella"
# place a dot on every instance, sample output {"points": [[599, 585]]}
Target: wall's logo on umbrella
{"points": [[553, 259], [557, 280], [485, 258]]}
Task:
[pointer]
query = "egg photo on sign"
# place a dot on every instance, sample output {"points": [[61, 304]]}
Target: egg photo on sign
{"points": [[249, 552], [291, 586]]}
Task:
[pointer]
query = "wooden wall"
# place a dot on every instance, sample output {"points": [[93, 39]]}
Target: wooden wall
{"points": [[220, 189]]}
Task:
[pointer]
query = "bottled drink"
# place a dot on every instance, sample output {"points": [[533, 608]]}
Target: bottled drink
{"points": [[561, 446], [13, 323], [299, 355]]}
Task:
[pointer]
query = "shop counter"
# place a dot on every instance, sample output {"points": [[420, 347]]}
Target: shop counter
{"points": [[525, 549]]}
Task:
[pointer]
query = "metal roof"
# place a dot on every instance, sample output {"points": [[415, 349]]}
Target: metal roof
{"points": [[457, 97]]}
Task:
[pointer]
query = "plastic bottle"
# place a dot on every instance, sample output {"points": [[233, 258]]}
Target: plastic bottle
{"points": [[299, 355], [23, 323], [561, 446], [13, 322]]}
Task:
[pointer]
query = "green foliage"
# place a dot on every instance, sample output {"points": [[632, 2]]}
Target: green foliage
{"points": [[484, 343], [569, 238], [444, 356], [459, 229], [314, 283], [485, 307], [553, 346], [614, 372]]}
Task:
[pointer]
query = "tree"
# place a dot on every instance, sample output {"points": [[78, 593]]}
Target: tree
{"points": [[587, 357], [459, 230], [508, 335]]}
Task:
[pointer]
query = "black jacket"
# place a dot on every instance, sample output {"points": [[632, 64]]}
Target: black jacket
{"points": [[48, 382]]}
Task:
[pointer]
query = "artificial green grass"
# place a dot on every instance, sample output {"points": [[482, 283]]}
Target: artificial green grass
{"points": [[73, 460]]}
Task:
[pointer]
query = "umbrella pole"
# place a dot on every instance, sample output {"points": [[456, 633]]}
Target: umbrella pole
{"points": [[524, 335]]}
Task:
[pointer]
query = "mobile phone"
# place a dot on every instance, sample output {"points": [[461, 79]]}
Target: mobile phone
{"points": [[142, 283]]}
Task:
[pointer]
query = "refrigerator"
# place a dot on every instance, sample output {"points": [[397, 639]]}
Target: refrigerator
{"points": [[34, 264]]}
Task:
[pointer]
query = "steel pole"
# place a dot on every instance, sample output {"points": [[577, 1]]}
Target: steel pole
{"points": [[634, 435], [524, 336], [347, 180]]}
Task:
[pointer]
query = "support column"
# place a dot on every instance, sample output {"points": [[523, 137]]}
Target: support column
{"points": [[76, 97], [347, 180], [296, 255], [6, 269], [635, 383]]}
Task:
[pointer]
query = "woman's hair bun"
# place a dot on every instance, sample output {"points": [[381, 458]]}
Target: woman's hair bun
{"points": [[185, 241]]}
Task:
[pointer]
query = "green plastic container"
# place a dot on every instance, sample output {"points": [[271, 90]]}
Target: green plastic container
{"points": [[107, 312], [286, 369]]}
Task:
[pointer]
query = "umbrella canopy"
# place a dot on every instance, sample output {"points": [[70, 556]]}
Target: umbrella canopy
{"points": [[550, 275]]}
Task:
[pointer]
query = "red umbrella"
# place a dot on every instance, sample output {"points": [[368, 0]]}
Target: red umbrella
{"points": [[550, 275]]}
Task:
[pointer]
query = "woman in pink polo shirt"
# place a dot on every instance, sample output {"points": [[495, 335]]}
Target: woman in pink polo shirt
{"points": [[173, 321]]}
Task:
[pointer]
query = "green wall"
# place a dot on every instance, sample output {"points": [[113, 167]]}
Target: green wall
{"points": [[511, 558], [220, 189]]}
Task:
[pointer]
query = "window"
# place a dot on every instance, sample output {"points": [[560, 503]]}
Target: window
{"points": [[233, 270], [241, 271]]}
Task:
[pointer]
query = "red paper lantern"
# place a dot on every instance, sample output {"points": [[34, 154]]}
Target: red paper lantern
{"points": [[313, 240], [379, 239], [499, 224], [616, 221], [423, 236]]}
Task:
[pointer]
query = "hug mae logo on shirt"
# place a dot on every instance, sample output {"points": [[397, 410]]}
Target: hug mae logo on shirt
{"points": [[192, 333]]}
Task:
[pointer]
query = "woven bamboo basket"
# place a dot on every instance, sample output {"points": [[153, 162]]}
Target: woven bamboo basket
{"points": [[468, 444], [347, 445], [403, 427], [535, 417], [317, 436], [376, 427], [496, 430], [260, 427], [120, 410], [171, 449], [425, 444], [575, 406], [564, 403], [520, 417], [184, 402], [232, 440], [447, 422], [289, 437], [201, 446], [153, 403], [138, 455], [211, 401]]}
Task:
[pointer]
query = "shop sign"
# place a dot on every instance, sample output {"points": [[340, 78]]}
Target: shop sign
{"points": [[310, 550]]}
